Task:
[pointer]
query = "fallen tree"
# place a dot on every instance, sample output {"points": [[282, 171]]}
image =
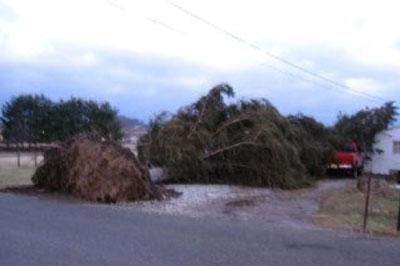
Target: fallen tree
{"points": [[251, 143], [248, 143]]}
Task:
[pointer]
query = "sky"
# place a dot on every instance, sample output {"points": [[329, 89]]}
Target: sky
{"points": [[148, 56]]}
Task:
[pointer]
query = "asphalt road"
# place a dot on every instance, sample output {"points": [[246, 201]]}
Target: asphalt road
{"points": [[48, 232]]}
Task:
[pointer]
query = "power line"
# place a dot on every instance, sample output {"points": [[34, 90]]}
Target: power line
{"points": [[165, 25], [278, 58], [293, 75], [259, 49], [115, 4]]}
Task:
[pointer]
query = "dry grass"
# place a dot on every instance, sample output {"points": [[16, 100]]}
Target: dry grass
{"points": [[11, 175], [345, 208]]}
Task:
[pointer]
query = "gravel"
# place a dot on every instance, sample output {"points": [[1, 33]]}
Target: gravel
{"points": [[295, 207]]}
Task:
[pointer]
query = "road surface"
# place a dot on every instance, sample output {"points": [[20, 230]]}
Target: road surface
{"points": [[37, 231]]}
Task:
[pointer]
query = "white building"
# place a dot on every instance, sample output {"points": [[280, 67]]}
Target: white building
{"points": [[387, 160]]}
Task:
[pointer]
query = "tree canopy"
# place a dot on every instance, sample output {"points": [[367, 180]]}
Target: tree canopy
{"points": [[35, 118], [364, 125], [76, 115], [25, 118]]}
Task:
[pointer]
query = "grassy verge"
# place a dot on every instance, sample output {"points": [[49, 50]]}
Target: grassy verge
{"points": [[345, 209], [14, 176], [11, 175]]}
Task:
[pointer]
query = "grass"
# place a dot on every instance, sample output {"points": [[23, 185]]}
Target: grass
{"points": [[14, 176], [11, 175], [345, 209]]}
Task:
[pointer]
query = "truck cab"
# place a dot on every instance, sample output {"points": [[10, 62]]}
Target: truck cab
{"points": [[349, 160]]}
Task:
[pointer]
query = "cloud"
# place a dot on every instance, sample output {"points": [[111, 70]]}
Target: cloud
{"points": [[141, 85], [364, 29], [364, 84], [146, 56], [138, 85], [6, 13]]}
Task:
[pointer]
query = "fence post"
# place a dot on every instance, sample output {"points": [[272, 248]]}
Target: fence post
{"points": [[398, 215], [35, 154], [367, 204], [398, 218], [18, 155]]}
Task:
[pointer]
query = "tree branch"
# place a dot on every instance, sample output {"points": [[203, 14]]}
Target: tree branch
{"points": [[231, 147]]}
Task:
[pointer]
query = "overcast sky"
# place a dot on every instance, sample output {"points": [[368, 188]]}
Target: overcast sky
{"points": [[148, 56]]}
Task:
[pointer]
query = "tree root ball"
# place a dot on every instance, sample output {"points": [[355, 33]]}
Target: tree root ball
{"points": [[94, 169]]}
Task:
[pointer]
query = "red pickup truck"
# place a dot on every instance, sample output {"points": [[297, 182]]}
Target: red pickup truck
{"points": [[348, 161]]}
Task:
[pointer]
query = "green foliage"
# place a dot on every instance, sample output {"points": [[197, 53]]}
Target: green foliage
{"points": [[250, 142], [312, 140], [247, 143], [76, 116], [363, 126], [25, 118], [35, 118]]}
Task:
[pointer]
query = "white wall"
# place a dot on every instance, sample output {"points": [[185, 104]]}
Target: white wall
{"points": [[385, 162]]}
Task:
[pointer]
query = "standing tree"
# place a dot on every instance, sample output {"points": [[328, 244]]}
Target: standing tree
{"points": [[36, 119], [104, 120], [39, 129], [24, 118], [76, 115]]}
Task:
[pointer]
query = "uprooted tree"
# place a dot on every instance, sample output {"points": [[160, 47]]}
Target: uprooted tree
{"points": [[251, 143], [248, 142], [95, 169]]}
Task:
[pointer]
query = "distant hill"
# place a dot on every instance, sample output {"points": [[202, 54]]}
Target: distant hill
{"points": [[127, 122], [133, 128]]}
